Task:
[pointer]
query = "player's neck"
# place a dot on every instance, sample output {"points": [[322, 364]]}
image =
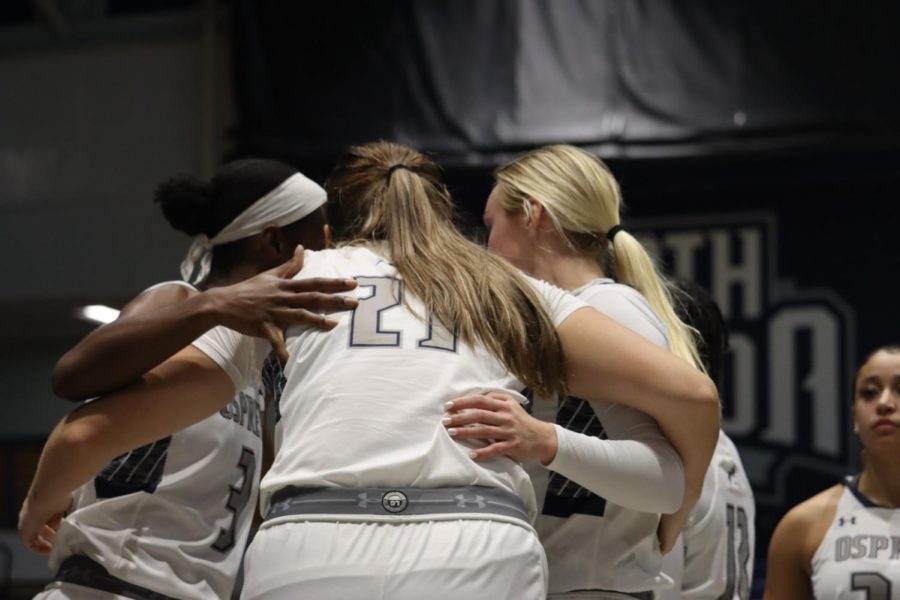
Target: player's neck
{"points": [[236, 274], [880, 481], [567, 271]]}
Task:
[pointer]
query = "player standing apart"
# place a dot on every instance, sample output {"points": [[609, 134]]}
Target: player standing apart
{"points": [[844, 543]]}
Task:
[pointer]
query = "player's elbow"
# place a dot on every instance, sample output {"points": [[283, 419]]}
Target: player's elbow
{"points": [[705, 400], [77, 438], [706, 395], [66, 380]]}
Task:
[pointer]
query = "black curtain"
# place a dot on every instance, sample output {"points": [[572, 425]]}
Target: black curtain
{"points": [[476, 80], [743, 133]]}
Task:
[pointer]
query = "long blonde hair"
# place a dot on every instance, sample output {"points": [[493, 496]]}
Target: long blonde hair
{"points": [[583, 200], [387, 192]]}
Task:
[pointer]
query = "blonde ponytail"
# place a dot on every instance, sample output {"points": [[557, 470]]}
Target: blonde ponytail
{"points": [[634, 267], [583, 200]]}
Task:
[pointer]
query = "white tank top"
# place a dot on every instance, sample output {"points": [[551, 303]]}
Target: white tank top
{"points": [[173, 516], [720, 534], [859, 557]]}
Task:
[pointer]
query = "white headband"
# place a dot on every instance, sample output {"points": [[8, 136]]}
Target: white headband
{"points": [[295, 198]]}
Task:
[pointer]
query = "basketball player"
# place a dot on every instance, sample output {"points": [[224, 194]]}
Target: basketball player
{"points": [[719, 537], [170, 519], [368, 496], [555, 214], [844, 543]]}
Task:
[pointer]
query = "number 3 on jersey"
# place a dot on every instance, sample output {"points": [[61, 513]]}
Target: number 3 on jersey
{"points": [[367, 329], [238, 498], [875, 585]]}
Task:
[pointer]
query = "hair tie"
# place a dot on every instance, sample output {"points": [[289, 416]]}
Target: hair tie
{"points": [[393, 168], [611, 234]]}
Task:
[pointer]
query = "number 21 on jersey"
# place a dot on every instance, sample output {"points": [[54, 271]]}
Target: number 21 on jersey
{"points": [[367, 329]]}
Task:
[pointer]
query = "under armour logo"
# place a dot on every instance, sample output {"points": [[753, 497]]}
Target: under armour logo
{"points": [[842, 520], [462, 502], [364, 500]]}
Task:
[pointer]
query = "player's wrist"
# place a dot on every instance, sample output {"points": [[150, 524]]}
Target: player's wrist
{"points": [[212, 308], [549, 443], [45, 501]]}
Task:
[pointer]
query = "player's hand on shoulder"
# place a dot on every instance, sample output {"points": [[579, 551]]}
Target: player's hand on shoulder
{"points": [[500, 420], [264, 305]]}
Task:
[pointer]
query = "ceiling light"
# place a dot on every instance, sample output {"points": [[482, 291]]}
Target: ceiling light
{"points": [[97, 313]]}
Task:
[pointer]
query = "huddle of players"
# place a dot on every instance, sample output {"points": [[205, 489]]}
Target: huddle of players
{"points": [[194, 486]]}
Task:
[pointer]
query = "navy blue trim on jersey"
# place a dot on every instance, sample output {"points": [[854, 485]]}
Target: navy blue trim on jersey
{"points": [[565, 506], [140, 470], [83, 571], [564, 497], [273, 381], [636, 595], [529, 401], [851, 482], [592, 283]]}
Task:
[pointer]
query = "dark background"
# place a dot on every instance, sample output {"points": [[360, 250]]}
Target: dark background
{"points": [[707, 112]]}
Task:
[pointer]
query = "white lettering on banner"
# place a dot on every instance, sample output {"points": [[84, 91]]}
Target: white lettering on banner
{"points": [[788, 365], [746, 276], [743, 358], [684, 246], [821, 382]]}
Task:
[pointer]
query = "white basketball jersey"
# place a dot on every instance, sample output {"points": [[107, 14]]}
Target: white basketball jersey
{"points": [[173, 516], [363, 403], [859, 557], [719, 537], [593, 544]]}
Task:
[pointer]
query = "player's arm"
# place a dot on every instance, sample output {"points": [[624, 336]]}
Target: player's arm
{"points": [[183, 390], [607, 362], [705, 527], [791, 549], [163, 320], [637, 467], [645, 472], [149, 329]]}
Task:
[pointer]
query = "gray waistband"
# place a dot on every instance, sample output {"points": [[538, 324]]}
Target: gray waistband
{"points": [[396, 501]]}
